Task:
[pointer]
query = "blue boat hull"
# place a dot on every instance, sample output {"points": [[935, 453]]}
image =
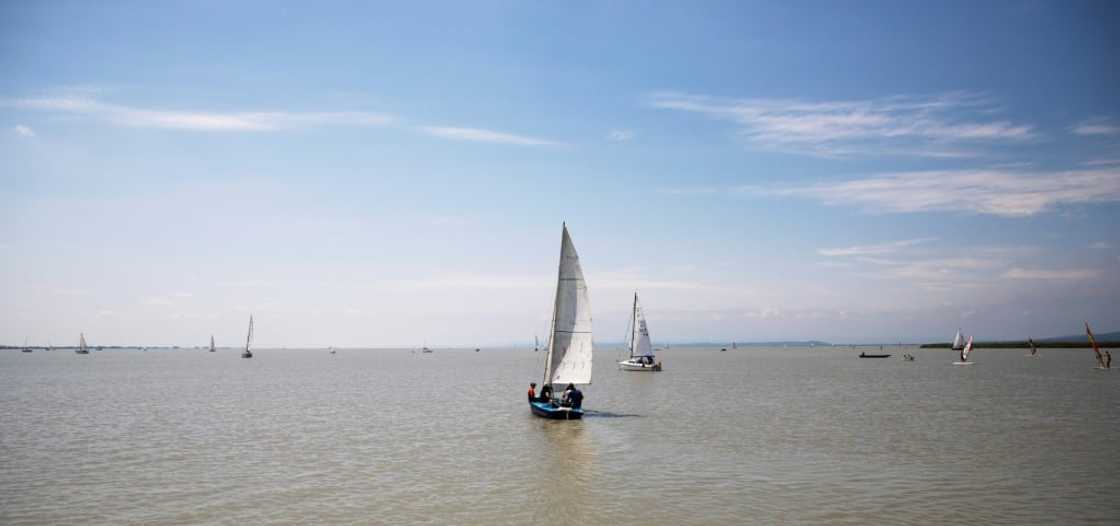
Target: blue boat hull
{"points": [[547, 410]]}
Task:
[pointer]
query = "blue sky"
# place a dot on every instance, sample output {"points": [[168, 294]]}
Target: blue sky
{"points": [[361, 174]]}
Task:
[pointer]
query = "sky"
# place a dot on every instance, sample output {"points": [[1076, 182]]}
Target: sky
{"points": [[396, 174]]}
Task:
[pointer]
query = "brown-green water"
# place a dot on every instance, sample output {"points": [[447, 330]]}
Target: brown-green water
{"points": [[386, 436]]}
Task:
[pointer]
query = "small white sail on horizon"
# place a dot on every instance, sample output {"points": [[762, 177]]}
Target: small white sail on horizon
{"points": [[249, 340], [212, 348], [83, 348], [965, 352], [958, 341]]}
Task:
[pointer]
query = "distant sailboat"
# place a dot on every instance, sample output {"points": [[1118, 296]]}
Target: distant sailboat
{"points": [[212, 348], [1034, 348], [1096, 350], [426, 350], [965, 352], [958, 341], [25, 347], [249, 340], [569, 343], [536, 344], [332, 349], [83, 348], [641, 349]]}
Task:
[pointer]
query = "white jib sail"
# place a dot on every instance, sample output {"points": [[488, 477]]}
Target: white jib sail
{"points": [[641, 346], [249, 338], [569, 348]]}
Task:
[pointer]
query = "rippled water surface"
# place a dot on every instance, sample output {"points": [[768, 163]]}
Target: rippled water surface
{"points": [[388, 436]]}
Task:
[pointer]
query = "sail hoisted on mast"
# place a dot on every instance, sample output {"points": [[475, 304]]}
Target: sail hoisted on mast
{"points": [[640, 344], [958, 341], [569, 345], [1096, 348]]}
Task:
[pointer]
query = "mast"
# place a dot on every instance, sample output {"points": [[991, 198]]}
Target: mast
{"points": [[555, 309], [634, 325]]}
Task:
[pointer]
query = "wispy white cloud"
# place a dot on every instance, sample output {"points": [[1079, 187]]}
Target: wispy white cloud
{"points": [[237, 121], [620, 135], [871, 250], [1100, 126], [483, 135], [1101, 162], [949, 125], [23, 130], [993, 192], [1039, 274]]}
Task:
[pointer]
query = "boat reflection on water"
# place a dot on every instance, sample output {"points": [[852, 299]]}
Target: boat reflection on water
{"points": [[569, 461]]}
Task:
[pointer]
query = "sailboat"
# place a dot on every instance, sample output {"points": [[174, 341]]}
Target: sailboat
{"points": [[212, 348], [25, 347], [536, 344], [1034, 348], [332, 349], [965, 352], [83, 348], [641, 350], [569, 343], [958, 341], [1101, 365], [249, 340]]}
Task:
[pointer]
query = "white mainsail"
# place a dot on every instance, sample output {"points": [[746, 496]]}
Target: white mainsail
{"points": [[82, 346], [640, 344], [958, 342], [569, 345]]}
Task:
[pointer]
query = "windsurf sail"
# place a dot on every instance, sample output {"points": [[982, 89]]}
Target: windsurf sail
{"points": [[967, 349], [1096, 348]]}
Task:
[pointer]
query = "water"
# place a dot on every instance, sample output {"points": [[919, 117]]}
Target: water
{"points": [[386, 436]]}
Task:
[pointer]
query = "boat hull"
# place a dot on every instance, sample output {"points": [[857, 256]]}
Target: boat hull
{"points": [[552, 412], [631, 366], [246, 355], [874, 356], [963, 363]]}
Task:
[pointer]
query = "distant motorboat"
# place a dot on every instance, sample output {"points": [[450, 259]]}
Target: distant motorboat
{"points": [[569, 342], [248, 340], [641, 349], [83, 348], [476, 349], [426, 350], [865, 355]]}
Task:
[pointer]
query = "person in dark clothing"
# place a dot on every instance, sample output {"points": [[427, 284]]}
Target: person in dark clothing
{"points": [[546, 394], [574, 396], [1107, 360], [532, 391]]}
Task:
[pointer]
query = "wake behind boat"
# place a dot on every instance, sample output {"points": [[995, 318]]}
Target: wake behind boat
{"points": [[568, 361], [641, 349]]}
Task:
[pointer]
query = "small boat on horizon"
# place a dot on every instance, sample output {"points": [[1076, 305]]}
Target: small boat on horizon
{"points": [[641, 349], [212, 348], [569, 342], [1034, 348], [248, 340], [83, 348], [332, 349]]}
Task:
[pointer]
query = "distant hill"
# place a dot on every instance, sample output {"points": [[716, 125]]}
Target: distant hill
{"points": [[1082, 338], [805, 343], [1104, 339]]}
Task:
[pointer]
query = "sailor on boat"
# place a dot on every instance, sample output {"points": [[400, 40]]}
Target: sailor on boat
{"points": [[532, 391]]}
